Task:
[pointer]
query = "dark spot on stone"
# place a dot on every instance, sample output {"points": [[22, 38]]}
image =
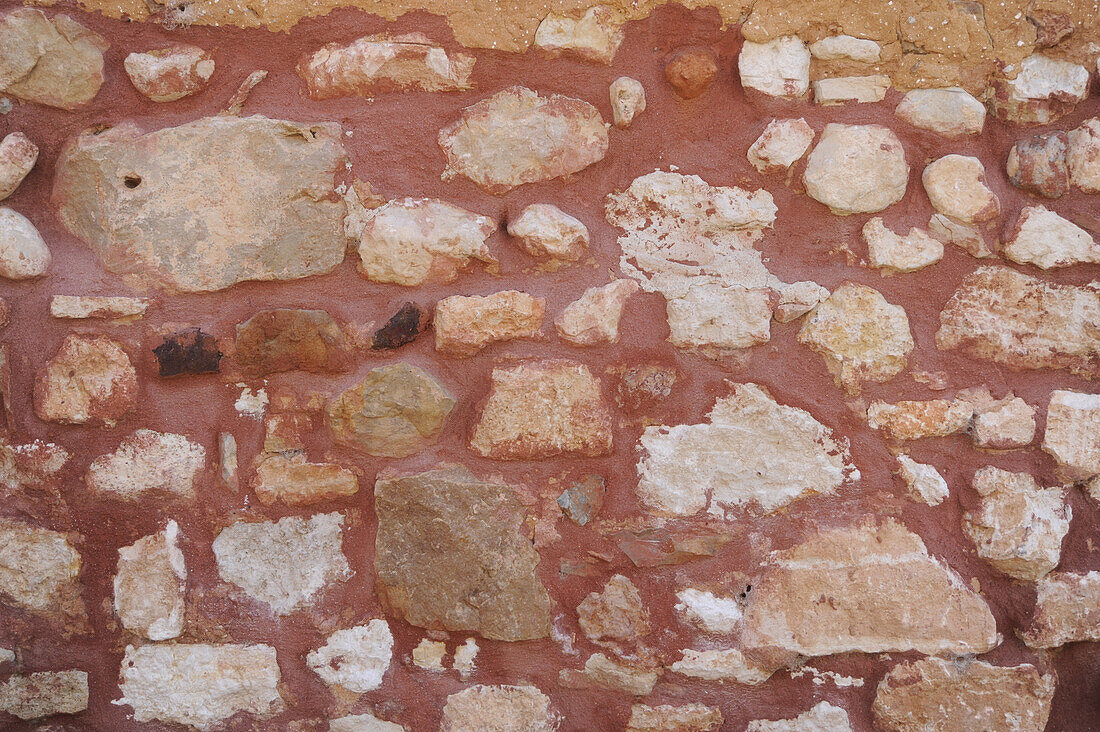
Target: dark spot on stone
{"points": [[189, 351], [406, 324], [132, 181]]}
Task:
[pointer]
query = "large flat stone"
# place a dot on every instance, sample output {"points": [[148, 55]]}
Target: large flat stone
{"points": [[52, 61]]}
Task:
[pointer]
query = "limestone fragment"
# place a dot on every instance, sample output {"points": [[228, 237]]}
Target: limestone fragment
{"points": [[52, 61], [970, 239], [159, 681], [708, 612], [797, 299], [914, 420], [544, 230], [465, 325], [778, 68], [30, 696], [38, 570], [284, 339], [924, 482], [1023, 322], [860, 335], [722, 317], [614, 614], [23, 252], [859, 89], [29, 464], [594, 317], [465, 656], [782, 143], [1045, 239], [601, 671], [951, 112], [363, 723], [285, 563], [1067, 610], [1043, 90], [727, 664], [644, 386], [752, 450], [1083, 156], [356, 658], [84, 306], [403, 327], [822, 716], [517, 136], [500, 709], [691, 71], [1006, 424], [957, 189], [542, 409], [898, 253], [1072, 436], [935, 693], [451, 555], [429, 655], [856, 169], [90, 380], [833, 48], [171, 73], [394, 411], [594, 36], [290, 478], [188, 352], [1037, 164], [384, 63], [149, 585], [17, 156], [227, 461], [667, 718], [148, 462], [207, 204], [411, 241], [627, 100]]}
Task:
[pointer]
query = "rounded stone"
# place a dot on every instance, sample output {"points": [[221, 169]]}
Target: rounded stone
{"points": [[23, 253], [691, 71], [857, 169]]}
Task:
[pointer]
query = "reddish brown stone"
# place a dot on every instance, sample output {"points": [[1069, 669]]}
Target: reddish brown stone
{"points": [[670, 545], [644, 386], [1037, 164], [614, 614], [1050, 26], [188, 352], [286, 340], [691, 71], [405, 325]]}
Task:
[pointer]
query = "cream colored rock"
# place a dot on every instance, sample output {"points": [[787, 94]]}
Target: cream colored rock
{"points": [[627, 100], [1007, 424], [1067, 610], [728, 664], [500, 709], [970, 239], [465, 325], [616, 613], [1072, 436], [23, 253], [544, 230], [782, 143], [411, 241], [924, 482], [951, 112], [1043, 90], [707, 611], [30, 696], [17, 157], [668, 718], [822, 717], [1047, 240], [1083, 156], [914, 420], [721, 317], [78, 307], [751, 451], [168, 74], [603, 672], [860, 335], [148, 462], [149, 585], [53, 61], [1019, 526], [429, 655], [594, 36], [898, 253], [859, 89], [834, 48], [90, 380], [856, 169], [39, 569], [465, 661], [285, 563], [293, 480], [956, 186], [159, 681], [7, 656], [356, 658], [797, 299], [778, 68], [363, 723], [594, 318]]}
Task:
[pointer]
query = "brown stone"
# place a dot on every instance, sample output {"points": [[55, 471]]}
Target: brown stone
{"points": [[691, 71], [614, 614], [30, 696], [402, 328], [90, 380], [913, 420], [644, 386], [52, 61], [148, 462], [612, 674], [188, 352], [1037, 164], [451, 554], [668, 718], [1050, 26], [292, 480], [670, 545], [17, 156], [287, 340], [1067, 610], [30, 464], [465, 325], [170, 73]]}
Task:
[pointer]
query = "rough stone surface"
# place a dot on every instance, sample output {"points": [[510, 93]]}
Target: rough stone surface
{"points": [[402, 328], [594, 317], [644, 386], [951, 112], [971, 239], [1043, 90], [594, 36], [1005, 425], [38, 570], [778, 68], [17, 157], [149, 585], [859, 89], [913, 420], [668, 718], [1037, 164], [691, 71], [1067, 610], [29, 464], [484, 708], [90, 380], [30, 696], [450, 555], [465, 325], [78, 307], [53, 61], [516, 137], [429, 655], [1045, 239], [627, 100], [356, 658], [148, 462], [1083, 156], [23, 252], [707, 611], [544, 230], [614, 614], [782, 143], [823, 717], [1072, 435], [143, 202], [171, 73], [898, 253], [291, 479], [363, 723], [727, 664], [832, 48], [924, 482], [188, 352], [856, 169], [956, 186], [287, 340], [604, 672]]}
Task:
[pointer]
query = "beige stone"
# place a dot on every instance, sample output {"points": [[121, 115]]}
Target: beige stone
{"points": [[1067, 610], [363, 723], [856, 169], [782, 143], [466, 657], [971, 239], [544, 230], [29, 464], [616, 613], [822, 717], [668, 718], [1072, 435], [956, 187], [30, 696], [90, 380], [612, 674], [924, 482], [835, 48], [859, 89], [78, 307], [171, 73], [52, 61], [159, 681], [797, 299], [594, 318], [594, 36], [727, 664], [149, 585], [429, 655], [951, 112], [38, 569], [1042, 90], [517, 136], [1007, 424], [627, 100], [148, 462], [720, 317], [465, 325], [1083, 156], [17, 157], [913, 420], [1045, 239], [411, 241], [484, 708], [898, 253], [293, 480], [779, 68], [355, 658], [23, 253], [708, 612]]}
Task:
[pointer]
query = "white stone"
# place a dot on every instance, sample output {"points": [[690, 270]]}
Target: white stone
{"points": [[779, 67], [1042, 90], [80, 306], [727, 664], [356, 658], [1072, 436], [951, 112], [823, 717], [966, 237], [363, 723], [856, 169], [148, 462], [859, 89], [956, 187], [465, 658], [924, 482], [23, 252], [908, 253], [724, 317], [150, 583], [594, 36], [707, 611], [782, 143], [627, 100], [251, 403], [429, 655], [1083, 156], [1047, 240], [544, 230], [1007, 424], [832, 48], [7, 655], [38, 567], [42, 694], [799, 298]]}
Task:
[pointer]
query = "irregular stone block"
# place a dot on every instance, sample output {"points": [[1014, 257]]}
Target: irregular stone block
{"points": [[283, 339], [1072, 436], [1067, 610], [171, 73], [1043, 90], [668, 718], [465, 325], [972, 240], [29, 464], [1045, 239], [667, 546], [78, 307], [924, 482], [898, 253], [914, 420], [614, 614], [834, 48], [612, 674], [720, 317], [148, 462], [292, 480], [951, 112], [594, 36], [644, 386], [778, 68], [859, 89], [1037, 164], [429, 655], [1083, 156], [30, 696], [38, 570], [856, 169], [707, 611], [594, 317], [583, 500], [23, 253], [52, 61], [90, 380], [363, 723], [356, 658], [956, 187], [822, 716], [545, 230], [1007, 424], [500, 708], [188, 352], [782, 143], [402, 328], [17, 157], [691, 71], [726, 664], [149, 585], [627, 100]]}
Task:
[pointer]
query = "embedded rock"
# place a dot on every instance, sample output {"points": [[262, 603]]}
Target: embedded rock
{"points": [[395, 411], [411, 241], [1083, 156], [956, 187], [924, 482], [594, 36], [1072, 436], [614, 614], [285, 563], [722, 317], [403, 327], [1038, 164], [970, 239], [859, 89], [1007, 424], [544, 230], [627, 100], [856, 169], [951, 112], [17, 156], [898, 253], [516, 137], [667, 718], [751, 450], [594, 317], [78, 307], [727, 664], [188, 352], [52, 61], [384, 63], [288, 340], [356, 658], [821, 718], [1044, 90], [90, 380], [23, 252], [465, 325], [778, 68], [148, 462], [208, 204], [1045, 239], [30, 464], [1067, 610], [542, 409], [38, 570], [707, 611], [913, 420], [363, 723], [691, 71], [292, 480], [500, 709], [429, 655], [603, 672], [782, 143], [797, 299], [168, 74], [670, 545], [30, 696], [833, 48], [149, 585], [643, 386], [451, 554]]}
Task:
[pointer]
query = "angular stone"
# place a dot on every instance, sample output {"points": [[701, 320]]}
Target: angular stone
{"points": [[614, 614], [159, 681], [782, 143], [1023, 322], [644, 386], [285, 563], [707, 611], [670, 545], [951, 112], [583, 500], [834, 48], [691, 71], [149, 585], [914, 420], [727, 664], [721, 317], [860, 335], [627, 100], [924, 482], [170, 73], [1072, 435], [956, 186], [752, 450], [429, 655], [864, 588], [898, 253], [1045, 239], [542, 409], [1008, 424], [411, 241], [594, 317], [451, 555], [1067, 610], [667, 718], [465, 325], [1083, 156], [856, 169], [594, 36], [859, 89], [1019, 526], [490, 143], [23, 252], [405, 325], [778, 68], [236, 102], [363, 723], [52, 61], [822, 717], [500, 709], [90, 380], [148, 462], [465, 656], [38, 570], [970, 239], [17, 156], [544, 230], [612, 674], [797, 299], [294, 481], [1037, 164], [1050, 26], [78, 307], [208, 204], [395, 411], [278, 340], [188, 352], [30, 696], [356, 658], [383, 63], [935, 693], [1044, 90], [29, 464]]}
